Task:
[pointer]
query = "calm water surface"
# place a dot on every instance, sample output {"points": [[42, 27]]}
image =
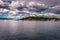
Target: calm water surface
{"points": [[29, 30]]}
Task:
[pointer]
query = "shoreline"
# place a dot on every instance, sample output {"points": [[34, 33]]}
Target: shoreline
{"points": [[34, 19]]}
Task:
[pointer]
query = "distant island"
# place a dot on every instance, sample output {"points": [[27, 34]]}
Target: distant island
{"points": [[6, 18], [41, 18]]}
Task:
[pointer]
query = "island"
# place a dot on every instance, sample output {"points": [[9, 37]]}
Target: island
{"points": [[41, 18]]}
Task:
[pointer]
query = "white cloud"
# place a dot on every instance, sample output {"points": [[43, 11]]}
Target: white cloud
{"points": [[48, 14], [34, 3], [10, 12], [51, 14], [3, 10], [13, 12], [16, 4]]}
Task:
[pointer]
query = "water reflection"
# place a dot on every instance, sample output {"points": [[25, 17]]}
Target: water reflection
{"points": [[29, 30]]}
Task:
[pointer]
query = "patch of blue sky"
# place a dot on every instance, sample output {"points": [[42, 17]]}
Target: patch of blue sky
{"points": [[33, 12], [3, 16]]}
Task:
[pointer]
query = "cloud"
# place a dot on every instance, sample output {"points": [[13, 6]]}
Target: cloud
{"points": [[54, 9], [57, 7], [35, 6], [3, 10], [16, 4], [48, 14], [34, 3], [2, 3], [8, 11], [13, 12], [30, 6]]}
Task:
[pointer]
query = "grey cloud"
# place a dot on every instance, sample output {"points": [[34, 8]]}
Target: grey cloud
{"points": [[41, 5]]}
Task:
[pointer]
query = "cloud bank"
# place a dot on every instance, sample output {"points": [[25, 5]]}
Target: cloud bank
{"points": [[15, 6]]}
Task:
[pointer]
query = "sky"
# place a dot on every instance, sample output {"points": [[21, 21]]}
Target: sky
{"points": [[57, 2], [11, 6]]}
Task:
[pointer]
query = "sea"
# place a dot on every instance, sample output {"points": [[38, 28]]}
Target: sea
{"points": [[29, 30]]}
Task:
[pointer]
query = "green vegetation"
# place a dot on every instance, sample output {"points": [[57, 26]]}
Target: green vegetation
{"points": [[41, 18]]}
